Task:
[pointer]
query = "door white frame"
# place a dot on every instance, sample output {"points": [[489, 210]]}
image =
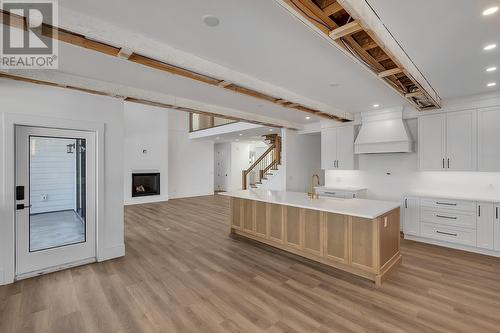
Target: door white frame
{"points": [[12, 120]]}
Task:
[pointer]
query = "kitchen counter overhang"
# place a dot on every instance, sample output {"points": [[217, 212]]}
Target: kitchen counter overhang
{"points": [[355, 235]]}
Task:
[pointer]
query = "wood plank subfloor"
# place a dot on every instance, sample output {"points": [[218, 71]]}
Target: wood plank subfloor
{"points": [[183, 273]]}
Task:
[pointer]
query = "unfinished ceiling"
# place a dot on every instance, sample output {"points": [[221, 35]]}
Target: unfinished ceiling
{"points": [[445, 39], [354, 28]]}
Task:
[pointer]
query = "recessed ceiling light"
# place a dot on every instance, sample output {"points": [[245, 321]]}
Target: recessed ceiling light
{"points": [[376, 105], [490, 47], [241, 134], [210, 20], [308, 117], [491, 84], [491, 69], [490, 11], [270, 130]]}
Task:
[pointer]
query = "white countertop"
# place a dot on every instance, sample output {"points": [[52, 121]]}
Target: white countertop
{"points": [[341, 188], [486, 196], [364, 208]]}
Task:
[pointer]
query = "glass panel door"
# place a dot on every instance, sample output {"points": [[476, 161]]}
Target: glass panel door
{"points": [[56, 191]]}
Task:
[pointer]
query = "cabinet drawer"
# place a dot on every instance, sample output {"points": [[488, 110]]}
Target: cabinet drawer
{"points": [[468, 206], [332, 193], [449, 234], [449, 217]]}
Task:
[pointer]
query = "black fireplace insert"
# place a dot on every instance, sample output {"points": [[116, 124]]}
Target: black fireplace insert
{"points": [[145, 184]]}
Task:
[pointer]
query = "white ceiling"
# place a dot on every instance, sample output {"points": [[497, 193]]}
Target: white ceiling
{"points": [[445, 39], [256, 37], [86, 63]]}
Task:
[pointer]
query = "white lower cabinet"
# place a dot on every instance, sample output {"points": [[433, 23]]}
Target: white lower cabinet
{"points": [[468, 225], [485, 225], [411, 216]]}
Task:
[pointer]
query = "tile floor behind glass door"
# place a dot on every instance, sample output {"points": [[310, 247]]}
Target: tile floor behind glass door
{"points": [[48, 230]]}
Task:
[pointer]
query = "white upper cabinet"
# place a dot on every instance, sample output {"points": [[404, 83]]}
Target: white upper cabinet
{"points": [[448, 141], [337, 148], [328, 148], [485, 225], [488, 135], [345, 148], [431, 142], [461, 141]]}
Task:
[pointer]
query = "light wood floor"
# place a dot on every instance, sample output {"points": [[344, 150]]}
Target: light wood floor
{"points": [[183, 273]]}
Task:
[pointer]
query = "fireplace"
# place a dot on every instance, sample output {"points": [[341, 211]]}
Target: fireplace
{"points": [[145, 184]]}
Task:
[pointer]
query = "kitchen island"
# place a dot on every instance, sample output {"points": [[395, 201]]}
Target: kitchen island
{"points": [[359, 236]]}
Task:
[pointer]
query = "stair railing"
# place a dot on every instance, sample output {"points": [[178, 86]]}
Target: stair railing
{"points": [[269, 160]]}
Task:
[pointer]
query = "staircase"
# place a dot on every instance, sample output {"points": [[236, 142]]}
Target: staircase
{"points": [[265, 166]]}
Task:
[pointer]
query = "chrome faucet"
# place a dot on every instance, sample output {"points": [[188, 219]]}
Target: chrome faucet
{"points": [[312, 193]]}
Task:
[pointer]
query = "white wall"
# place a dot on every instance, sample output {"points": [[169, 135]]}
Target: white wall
{"points": [[52, 175], [54, 104], [146, 129], [190, 162], [302, 158], [390, 176]]}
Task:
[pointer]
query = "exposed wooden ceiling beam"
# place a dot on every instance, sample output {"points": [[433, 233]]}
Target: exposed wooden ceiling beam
{"points": [[81, 41], [223, 84], [345, 30], [135, 100], [332, 9], [390, 72]]}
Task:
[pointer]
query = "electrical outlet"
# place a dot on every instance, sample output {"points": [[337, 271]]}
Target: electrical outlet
{"points": [[44, 197]]}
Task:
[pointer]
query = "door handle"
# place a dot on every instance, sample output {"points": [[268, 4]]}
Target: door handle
{"points": [[22, 206]]}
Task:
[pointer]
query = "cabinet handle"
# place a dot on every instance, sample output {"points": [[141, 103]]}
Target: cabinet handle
{"points": [[445, 203], [332, 193], [406, 203], [447, 217], [337, 164], [479, 210], [446, 233], [448, 163], [443, 163], [496, 213]]}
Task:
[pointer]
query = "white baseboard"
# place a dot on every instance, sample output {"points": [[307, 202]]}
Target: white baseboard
{"points": [[141, 201], [112, 252], [453, 246], [190, 195]]}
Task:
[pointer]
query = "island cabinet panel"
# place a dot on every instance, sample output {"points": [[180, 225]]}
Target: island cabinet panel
{"points": [[236, 212], [275, 223], [362, 243], [313, 232], [292, 226], [261, 218], [336, 237], [362, 246], [389, 236], [248, 215]]}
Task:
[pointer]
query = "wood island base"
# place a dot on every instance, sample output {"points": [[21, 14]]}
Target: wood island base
{"points": [[365, 247]]}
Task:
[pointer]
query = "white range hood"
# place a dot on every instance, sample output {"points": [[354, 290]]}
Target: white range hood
{"points": [[383, 132]]}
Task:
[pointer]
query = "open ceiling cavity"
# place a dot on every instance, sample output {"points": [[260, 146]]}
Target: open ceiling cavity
{"points": [[349, 32], [81, 41]]}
